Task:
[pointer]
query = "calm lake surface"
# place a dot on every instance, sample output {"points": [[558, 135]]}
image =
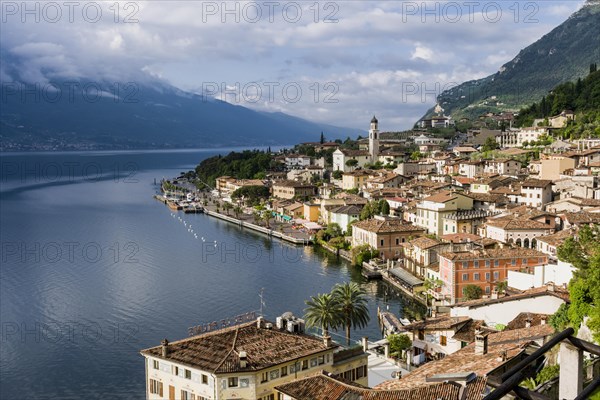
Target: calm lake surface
{"points": [[93, 269]]}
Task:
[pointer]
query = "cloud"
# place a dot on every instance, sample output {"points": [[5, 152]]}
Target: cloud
{"points": [[373, 52]]}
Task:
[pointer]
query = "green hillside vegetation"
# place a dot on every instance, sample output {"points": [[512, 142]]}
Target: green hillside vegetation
{"points": [[249, 164], [582, 97], [562, 55]]}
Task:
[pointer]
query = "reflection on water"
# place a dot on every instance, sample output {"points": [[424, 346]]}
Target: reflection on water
{"points": [[93, 270]]}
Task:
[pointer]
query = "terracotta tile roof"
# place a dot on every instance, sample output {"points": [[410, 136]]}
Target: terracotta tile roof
{"points": [[582, 217], [355, 153], [218, 352], [467, 332], [505, 253], [496, 198], [461, 237], [387, 226], [436, 324], [557, 238], [465, 149], [325, 387], [516, 223], [347, 210], [511, 343], [287, 183], [424, 242], [556, 291], [536, 183], [520, 321], [442, 197]]}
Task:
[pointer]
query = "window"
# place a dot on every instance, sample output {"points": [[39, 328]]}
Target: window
{"points": [[487, 289], [476, 263], [321, 360], [496, 263], [313, 362], [524, 261], [465, 264], [188, 374], [397, 241], [155, 364], [513, 261], [156, 387], [496, 275], [381, 242], [274, 374], [476, 277], [465, 277], [244, 382], [175, 370], [284, 371], [264, 377], [185, 395], [487, 263], [443, 340], [232, 381], [205, 379], [304, 365], [487, 276]]}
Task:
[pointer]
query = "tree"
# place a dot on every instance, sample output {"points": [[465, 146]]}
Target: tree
{"points": [[416, 155], [490, 144], [398, 343], [501, 286], [337, 174], [227, 206], [237, 210], [333, 230], [323, 310], [385, 208], [472, 292], [352, 163], [352, 301], [322, 138]]}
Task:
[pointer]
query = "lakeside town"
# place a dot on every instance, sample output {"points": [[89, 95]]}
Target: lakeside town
{"points": [[472, 224]]}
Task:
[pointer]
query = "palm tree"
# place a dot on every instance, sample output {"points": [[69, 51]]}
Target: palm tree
{"points": [[237, 210], [353, 306], [227, 206], [323, 310]]}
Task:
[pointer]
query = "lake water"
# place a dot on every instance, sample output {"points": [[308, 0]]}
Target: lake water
{"points": [[93, 269]]}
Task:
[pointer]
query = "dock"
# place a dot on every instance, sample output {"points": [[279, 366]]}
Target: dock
{"points": [[371, 271], [389, 323]]}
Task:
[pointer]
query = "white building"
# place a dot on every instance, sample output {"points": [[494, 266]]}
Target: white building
{"points": [[243, 362], [536, 192], [503, 309], [559, 274]]}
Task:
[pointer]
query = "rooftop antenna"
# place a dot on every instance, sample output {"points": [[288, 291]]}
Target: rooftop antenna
{"points": [[262, 301]]}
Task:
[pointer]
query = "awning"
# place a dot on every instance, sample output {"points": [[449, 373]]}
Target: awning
{"points": [[287, 218], [313, 226], [406, 277]]}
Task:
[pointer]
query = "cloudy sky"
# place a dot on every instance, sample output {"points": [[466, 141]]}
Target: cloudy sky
{"points": [[338, 62]]}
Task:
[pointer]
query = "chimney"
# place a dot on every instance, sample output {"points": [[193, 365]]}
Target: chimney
{"points": [[164, 347], [481, 342], [543, 320], [502, 356], [327, 341], [365, 343], [260, 322], [551, 286], [243, 359], [528, 323]]}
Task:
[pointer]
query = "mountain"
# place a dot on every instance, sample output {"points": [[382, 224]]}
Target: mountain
{"points": [[104, 115], [562, 55]]}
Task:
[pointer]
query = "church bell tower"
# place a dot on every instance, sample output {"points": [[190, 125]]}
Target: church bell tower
{"points": [[374, 140]]}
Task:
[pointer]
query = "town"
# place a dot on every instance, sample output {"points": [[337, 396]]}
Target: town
{"points": [[486, 226]]}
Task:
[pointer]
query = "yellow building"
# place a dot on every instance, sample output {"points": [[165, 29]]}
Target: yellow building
{"points": [[311, 211], [245, 361], [433, 209], [355, 179]]}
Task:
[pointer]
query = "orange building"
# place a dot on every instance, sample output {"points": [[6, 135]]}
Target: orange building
{"points": [[484, 268]]}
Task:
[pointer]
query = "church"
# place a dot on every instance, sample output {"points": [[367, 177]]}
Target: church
{"points": [[362, 157]]}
